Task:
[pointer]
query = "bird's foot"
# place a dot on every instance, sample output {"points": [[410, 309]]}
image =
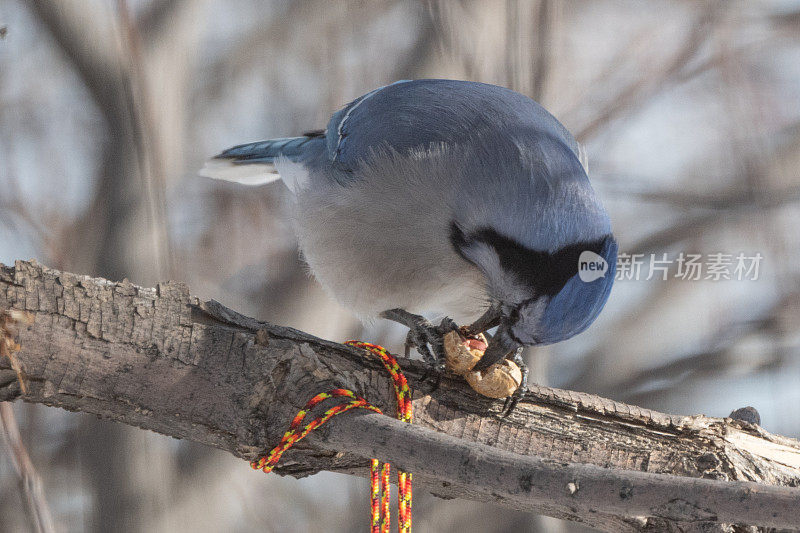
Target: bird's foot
{"points": [[512, 401], [426, 338]]}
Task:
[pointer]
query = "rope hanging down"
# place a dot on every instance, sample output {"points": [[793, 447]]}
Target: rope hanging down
{"points": [[379, 473]]}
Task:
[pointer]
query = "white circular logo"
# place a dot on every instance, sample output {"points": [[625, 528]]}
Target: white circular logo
{"points": [[591, 266]]}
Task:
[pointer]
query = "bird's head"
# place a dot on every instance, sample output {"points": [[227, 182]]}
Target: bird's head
{"points": [[539, 297], [547, 254]]}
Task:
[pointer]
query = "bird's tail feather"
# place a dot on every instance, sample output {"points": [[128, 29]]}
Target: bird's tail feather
{"points": [[254, 163]]}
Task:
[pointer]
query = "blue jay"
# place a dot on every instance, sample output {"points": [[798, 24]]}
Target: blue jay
{"points": [[453, 198]]}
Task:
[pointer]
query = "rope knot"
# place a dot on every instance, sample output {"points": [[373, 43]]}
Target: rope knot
{"points": [[380, 492]]}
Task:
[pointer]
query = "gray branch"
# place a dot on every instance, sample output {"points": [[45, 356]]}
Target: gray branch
{"points": [[163, 360]]}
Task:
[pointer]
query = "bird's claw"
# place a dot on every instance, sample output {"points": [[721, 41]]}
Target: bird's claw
{"points": [[447, 325], [435, 372], [428, 340], [511, 401]]}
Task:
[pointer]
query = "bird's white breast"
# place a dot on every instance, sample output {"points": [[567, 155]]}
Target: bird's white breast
{"points": [[382, 242]]}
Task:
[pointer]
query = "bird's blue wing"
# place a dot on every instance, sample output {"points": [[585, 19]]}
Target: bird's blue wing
{"points": [[417, 114], [254, 163], [403, 116], [268, 151]]}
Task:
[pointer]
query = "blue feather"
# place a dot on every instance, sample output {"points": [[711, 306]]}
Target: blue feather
{"points": [[293, 148], [577, 305], [408, 115]]}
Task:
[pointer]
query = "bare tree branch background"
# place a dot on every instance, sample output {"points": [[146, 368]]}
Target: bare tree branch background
{"points": [[688, 113], [30, 483]]}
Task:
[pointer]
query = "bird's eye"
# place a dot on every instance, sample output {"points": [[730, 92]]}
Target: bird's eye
{"points": [[511, 313]]}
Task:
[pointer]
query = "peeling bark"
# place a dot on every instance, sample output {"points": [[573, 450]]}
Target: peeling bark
{"points": [[162, 360]]}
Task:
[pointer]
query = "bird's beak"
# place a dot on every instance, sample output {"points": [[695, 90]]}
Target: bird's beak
{"points": [[490, 319], [499, 347]]}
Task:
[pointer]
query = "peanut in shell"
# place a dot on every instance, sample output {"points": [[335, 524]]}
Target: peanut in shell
{"points": [[498, 381]]}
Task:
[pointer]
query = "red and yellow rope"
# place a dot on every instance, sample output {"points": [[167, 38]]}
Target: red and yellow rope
{"points": [[379, 473]]}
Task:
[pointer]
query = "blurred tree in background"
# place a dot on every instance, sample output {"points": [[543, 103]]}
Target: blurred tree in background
{"points": [[688, 111]]}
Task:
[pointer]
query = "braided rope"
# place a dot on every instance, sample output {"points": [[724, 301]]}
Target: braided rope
{"points": [[405, 413], [380, 488]]}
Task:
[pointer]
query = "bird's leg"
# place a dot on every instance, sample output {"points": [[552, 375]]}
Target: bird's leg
{"points": [[512, 401], [424, 336]]}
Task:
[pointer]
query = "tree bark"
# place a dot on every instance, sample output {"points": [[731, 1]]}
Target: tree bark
{"points": [[163, 360]]}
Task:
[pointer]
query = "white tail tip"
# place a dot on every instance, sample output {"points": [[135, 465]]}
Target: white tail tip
{"points": [[251, 174]]}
